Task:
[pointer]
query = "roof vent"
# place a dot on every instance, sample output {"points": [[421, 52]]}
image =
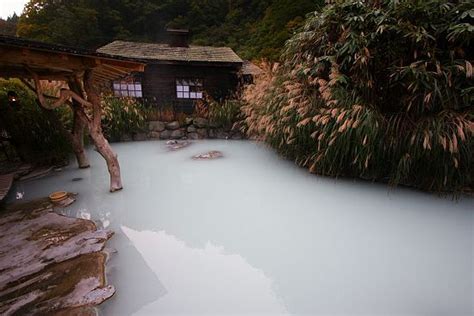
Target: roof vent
{"points": [[178, 37]]}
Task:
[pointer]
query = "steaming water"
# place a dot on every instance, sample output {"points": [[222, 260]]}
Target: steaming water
{"points": [[251, 234]]}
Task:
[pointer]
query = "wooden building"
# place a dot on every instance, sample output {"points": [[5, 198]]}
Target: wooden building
{"points": [[177, 74]]}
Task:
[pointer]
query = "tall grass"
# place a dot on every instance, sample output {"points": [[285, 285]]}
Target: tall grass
{"points": [[382, 92]]}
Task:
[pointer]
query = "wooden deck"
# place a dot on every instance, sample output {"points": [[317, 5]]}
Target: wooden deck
{"points": [[6, 181]]}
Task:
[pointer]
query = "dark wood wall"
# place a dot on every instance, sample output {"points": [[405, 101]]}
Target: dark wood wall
{"points": [[159, 82]]}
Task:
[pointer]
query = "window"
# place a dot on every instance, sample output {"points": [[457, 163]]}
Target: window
{"points": [[128, 88], [189, 89]]}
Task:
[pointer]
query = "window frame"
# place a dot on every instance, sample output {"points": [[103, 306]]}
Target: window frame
{"points": [[128, 88], [189, 88]]}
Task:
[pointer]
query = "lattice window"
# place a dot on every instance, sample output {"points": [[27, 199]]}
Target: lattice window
{"points": [[128, 88], [189, 88]]}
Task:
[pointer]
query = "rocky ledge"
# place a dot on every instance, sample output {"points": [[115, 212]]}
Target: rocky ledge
{"points": [[50, 264]]}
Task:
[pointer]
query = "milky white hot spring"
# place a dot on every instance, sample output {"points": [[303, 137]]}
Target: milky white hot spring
{"points": [[252, 234]]}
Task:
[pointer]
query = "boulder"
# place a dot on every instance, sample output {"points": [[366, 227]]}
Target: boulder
{"points": [[201, 122], [188, 121], [191, 129], [173, 125], [139, 137], [212, 134], [202, 132], [177, 134], [193, 136], [237, 136], [209, 155], [154, 135], [166, 134], [221, 134], [156, 126]]}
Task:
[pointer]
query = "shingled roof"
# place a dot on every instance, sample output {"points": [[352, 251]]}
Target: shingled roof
{"points": [[165, 52]]}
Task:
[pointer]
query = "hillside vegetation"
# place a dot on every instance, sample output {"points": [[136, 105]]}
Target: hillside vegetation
{"points": [[254, 28]]}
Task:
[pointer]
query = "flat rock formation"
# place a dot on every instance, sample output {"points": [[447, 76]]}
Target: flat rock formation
{"points": [[50, 264], [6, 181]]}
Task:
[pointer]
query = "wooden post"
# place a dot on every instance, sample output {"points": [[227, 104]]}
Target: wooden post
{"points": [[95, 130]]}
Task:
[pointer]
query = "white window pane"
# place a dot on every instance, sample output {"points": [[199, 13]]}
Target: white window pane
{"points": [[180, 95], [139, 94], [199, 95], [179, 88], [124, 93], [123, 86], [131, 93], [186, 95], [138, 87], [116, 86], [193, 95], [186, 88]]}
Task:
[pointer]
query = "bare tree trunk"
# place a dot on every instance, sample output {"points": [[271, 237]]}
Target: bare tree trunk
{"points": [[101, 143], [77, 140], [78, 126]]}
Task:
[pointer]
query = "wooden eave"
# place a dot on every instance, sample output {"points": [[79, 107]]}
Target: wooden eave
{"points": [[18, 58]]}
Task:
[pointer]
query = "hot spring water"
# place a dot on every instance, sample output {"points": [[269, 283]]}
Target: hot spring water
{"points": [[251, 234]]}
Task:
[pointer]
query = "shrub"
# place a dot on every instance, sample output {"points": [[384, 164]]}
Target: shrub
{"points": [[381, 90], [122, 116], [34, 130], [224, 114]]}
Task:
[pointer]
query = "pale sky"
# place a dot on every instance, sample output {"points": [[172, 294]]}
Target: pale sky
{"points": [[7, 7]]}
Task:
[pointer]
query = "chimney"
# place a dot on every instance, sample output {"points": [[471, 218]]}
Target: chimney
{"points": [[178, 37]]}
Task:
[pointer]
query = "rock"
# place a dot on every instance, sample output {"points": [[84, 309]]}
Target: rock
{"points": [[154, 135], [191, 129], [201, 122], [193, 135], [221, 134], [177, 134], [46, 247], [202, 132], [209, 155], [173, 125], [188, 121], [175, 144], [236, 136], [139, 137], [166, 134], [156, 126], [212, 134]]}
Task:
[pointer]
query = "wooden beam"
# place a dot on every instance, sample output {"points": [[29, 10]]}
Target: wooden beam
{"points": [[34, 58]]}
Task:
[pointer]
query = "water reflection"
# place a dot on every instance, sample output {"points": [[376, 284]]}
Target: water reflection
{"points": [[194, 278]]}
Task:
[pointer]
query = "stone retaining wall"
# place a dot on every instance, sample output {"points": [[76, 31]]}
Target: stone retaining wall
{"points": [[192, 128]]}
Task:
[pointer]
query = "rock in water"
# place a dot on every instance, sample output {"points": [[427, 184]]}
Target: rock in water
{"points": [[175, 144], [209, 155]]}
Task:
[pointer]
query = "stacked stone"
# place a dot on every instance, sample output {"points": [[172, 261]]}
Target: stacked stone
{"points": [[191, 128]]}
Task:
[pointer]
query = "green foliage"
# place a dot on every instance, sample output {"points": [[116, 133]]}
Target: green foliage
{"points": [[224, 114], [378, 91], [122, 116], [254, 28], [34, 130]]}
